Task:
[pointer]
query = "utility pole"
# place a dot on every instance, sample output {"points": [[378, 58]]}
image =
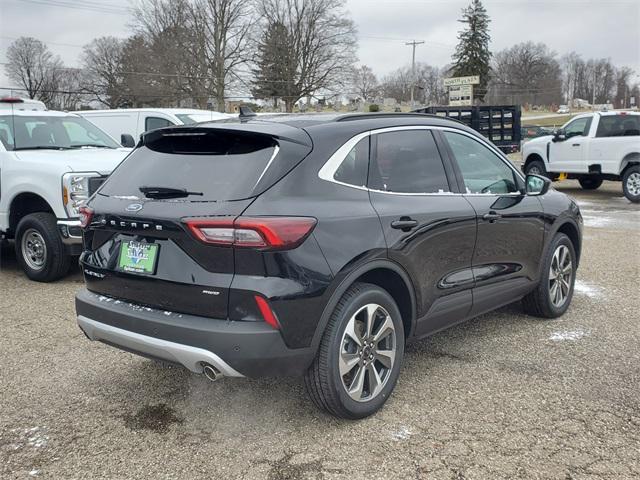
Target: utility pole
{"points": [[593, 96], [413, 66]]}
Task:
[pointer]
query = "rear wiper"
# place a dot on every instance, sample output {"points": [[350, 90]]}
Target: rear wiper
{"points": [[41, 147], [167, 192]]}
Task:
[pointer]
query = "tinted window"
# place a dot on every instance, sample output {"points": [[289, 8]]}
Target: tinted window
{"points": [[618, 126], [407, 161], [353, 169], [579, 127], [482, 170], [152, 123], [221, 165]]}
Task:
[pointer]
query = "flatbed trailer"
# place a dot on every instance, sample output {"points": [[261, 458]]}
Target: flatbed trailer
{"points": [[498, 123]]}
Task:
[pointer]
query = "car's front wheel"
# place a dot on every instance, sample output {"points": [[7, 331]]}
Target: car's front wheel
{"points": [[39, 248], [360, 354], [631, 183], [536, 167], [553, 294]]}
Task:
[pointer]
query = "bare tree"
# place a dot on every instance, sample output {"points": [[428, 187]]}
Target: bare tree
{"points": [[429, 81], [227, 27], [32, 65], [526, 73], [67, 94], [571, 64], [323, 42], [365, 82], [196, 47], [623, 87], [101, 60]]}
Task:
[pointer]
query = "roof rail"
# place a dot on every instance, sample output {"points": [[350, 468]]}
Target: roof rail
{"points": [[361, 116]]}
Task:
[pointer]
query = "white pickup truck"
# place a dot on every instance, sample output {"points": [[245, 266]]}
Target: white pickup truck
{"points": [[590, 148], [50, 163]]}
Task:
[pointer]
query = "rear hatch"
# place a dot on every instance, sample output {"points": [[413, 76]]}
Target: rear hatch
{"points": [[138, 247]]}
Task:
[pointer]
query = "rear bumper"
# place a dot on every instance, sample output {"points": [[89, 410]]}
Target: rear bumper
{"points": [[237, 349]]}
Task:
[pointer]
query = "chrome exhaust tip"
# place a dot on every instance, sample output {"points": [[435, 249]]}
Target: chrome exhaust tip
{"points": [[211, 372]]}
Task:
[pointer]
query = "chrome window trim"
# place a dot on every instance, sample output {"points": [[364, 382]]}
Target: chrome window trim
{"points": [[273, 156], [330, 167]]}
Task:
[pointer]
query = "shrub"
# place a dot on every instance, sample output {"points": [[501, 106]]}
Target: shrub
{"points": [[374, 107]]}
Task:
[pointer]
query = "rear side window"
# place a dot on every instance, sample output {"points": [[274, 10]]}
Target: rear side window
{"points": [[618, 126], [353, 169], [407, 161], [153, 123], [220, 165]]}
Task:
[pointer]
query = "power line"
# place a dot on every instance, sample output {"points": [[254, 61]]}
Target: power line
{"points": [[81, 5]]}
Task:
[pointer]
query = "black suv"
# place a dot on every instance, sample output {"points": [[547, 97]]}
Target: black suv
{"points": [[317, 246]]}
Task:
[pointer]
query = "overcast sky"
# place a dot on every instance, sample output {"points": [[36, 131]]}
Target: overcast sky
{"points": [[593, 28]]}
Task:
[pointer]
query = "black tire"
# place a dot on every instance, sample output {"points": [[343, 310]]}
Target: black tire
{"points": [[590, 183], [539, 302], [55, 263], [323, 380], [630, 181], [536, 167]]}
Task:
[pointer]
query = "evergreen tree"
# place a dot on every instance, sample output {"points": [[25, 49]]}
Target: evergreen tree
{"points": [[472, 55], [275, 72]]}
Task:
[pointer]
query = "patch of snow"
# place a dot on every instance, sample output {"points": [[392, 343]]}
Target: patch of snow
{"points": [[33, 437], [596, 221], [583, 288], [167, 313], [568, 335], [402, 434]]}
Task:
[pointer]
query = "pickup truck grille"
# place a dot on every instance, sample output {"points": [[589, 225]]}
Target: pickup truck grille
{"points": [[94, 183]]}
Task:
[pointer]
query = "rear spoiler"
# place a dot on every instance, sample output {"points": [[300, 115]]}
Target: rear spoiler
{"points": [[276, 131]]}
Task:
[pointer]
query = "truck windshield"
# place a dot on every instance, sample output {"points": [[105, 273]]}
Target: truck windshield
{"points": [[40, 132]]}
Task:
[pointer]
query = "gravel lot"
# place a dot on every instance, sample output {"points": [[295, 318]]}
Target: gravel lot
{"points": [[502, 396]]}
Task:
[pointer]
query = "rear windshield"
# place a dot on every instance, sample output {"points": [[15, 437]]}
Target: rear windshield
{"points": [[213, 165]]}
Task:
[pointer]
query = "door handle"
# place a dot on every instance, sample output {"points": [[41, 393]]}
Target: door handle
{"points": [[405, 224], [491, 216], [576, 144]]}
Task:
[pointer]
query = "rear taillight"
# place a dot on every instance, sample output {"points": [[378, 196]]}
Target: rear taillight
{"points": [[85, 214], [278, 233]]}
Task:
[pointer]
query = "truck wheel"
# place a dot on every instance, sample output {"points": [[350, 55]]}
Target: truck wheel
{"points": [[631, 183], [536, 167], [588, 183], [39, 248], [360, 354], [552, 296]]}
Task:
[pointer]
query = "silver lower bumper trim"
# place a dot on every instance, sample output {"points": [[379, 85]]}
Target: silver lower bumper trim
{"points": [[67, 228], [190, 357]]}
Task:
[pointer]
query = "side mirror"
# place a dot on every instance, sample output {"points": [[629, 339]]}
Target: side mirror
{"points": [[537, 185], [127, 140], [559, 135]]}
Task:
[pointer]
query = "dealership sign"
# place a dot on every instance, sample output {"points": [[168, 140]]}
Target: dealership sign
{"points": [[454, 81]]}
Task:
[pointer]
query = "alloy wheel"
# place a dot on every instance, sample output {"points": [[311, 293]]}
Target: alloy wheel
{"points": [[34, 249], [367, 352], [560, 276], [633, 184]]}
